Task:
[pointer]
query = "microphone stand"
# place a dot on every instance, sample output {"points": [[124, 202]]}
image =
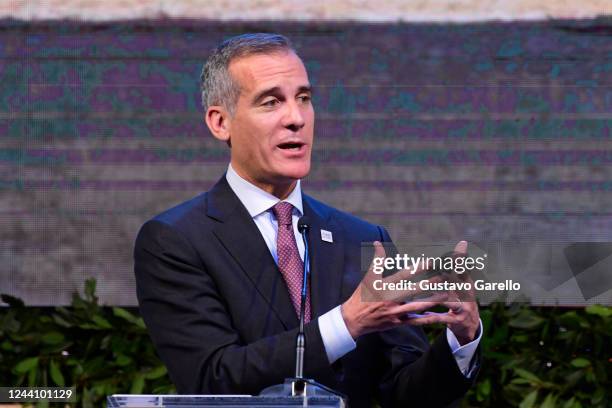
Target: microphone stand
{"points": [[300, 386], [300, 343]]}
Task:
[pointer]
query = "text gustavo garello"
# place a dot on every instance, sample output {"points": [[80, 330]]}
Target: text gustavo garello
{"points": [[426, 285]]}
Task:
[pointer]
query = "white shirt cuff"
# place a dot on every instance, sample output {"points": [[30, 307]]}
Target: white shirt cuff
{"points": [[463, 354], [336, 337]]}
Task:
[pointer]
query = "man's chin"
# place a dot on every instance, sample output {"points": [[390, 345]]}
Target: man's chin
{"points": [[296, 173], [291, 169]]}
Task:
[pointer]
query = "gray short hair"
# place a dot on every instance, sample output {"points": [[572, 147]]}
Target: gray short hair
{"points": [[217, 85]]}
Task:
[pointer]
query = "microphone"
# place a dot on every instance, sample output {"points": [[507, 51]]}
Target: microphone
{"points": [[303, 224], [300, 346]]}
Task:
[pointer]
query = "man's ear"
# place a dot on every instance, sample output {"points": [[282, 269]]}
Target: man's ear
{"points": [[218, 120]]}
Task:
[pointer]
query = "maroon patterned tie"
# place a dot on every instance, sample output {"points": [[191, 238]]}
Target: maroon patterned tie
{"points": [[289, 261]]}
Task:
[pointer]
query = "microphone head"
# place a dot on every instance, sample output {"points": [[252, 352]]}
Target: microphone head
{"points": [[303, 224]]}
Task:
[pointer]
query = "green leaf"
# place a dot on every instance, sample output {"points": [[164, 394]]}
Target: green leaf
{"points": [[580, 362], [520, 381], [100, 389], [52, 338], [26, 365], [599, 310], [483, 390], [526, 320], [590, 376], [164, 389], [87, 398], [56, 374], [137, 384], [88, 326], [42, 404], [77, 370], [570, 319], [529, 400], [527, 375], [101, 322], [6, 346], [32, 374], [61, 321], [158, 372], [78, 302], [569, 403], [598, 396], [124, 314], [123, 360], [520, 338], [94, 365], [9, 324], [90, 289], [140, 323], [573, 378], [550, 401]]}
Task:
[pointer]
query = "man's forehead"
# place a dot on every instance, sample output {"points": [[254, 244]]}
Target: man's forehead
{"points": [[262, 70]]}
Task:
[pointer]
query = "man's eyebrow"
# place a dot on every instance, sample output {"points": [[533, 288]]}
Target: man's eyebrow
{"points": [[266, 92], [305, 88], [276, 90]]}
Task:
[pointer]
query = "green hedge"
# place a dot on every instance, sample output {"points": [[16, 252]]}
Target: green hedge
{"points": [[532, 357], [100, 350]]}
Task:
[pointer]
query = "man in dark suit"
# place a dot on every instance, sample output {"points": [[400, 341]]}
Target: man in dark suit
{"points": [[218, 276]]}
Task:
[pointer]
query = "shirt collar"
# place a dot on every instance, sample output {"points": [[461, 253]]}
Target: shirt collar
{"points": [[256, 200]]}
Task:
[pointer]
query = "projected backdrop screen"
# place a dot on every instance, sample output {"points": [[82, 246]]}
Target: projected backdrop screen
{"points": [[496, 131]]}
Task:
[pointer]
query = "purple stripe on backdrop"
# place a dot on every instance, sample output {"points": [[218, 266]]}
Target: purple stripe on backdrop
{"points": [[333, 156], [316, 185], [457, 130], [135, 98]]}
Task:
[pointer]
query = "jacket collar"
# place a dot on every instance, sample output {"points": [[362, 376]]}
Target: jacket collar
{"points": [[241, 237]]}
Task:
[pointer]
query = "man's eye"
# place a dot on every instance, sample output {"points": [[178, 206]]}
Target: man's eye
{"points": [[304, 98], [270, 102]]}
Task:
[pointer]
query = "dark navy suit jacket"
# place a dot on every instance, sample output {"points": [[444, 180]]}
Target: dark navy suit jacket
{"points": [[220, 316]]}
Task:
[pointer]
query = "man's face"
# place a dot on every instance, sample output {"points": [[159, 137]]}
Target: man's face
{"points": [[271, 131]]}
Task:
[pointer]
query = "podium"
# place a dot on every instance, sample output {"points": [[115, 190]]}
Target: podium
{"points": [[231, 401]]}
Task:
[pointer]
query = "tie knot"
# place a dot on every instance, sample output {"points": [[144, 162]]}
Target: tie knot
{"points": [[283, 212]]}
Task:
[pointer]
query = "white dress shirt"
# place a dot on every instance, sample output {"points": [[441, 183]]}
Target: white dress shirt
{"points": [[336, 337]]}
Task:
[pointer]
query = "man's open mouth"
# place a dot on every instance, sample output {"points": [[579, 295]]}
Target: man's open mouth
{"points": [[291, 145]]}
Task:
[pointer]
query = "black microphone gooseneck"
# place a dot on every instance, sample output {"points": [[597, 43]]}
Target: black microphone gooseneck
{"points": [[300, 343]]}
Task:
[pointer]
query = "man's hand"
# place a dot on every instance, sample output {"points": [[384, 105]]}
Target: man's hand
{"points": [[363, 316]]}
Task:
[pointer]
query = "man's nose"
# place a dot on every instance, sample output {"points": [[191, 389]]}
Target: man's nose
{"points": [[294, 119]]}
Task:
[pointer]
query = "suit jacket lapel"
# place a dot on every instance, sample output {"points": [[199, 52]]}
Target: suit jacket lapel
{"points": [[242, 239], [326, 267]]}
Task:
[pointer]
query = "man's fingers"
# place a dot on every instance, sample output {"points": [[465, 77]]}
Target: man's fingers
{"points": [[406, 293], [370, 276], [430, 318], [405, 285], [418, 306], [379, 250], [379, 253], [424, 267], [458, 306]]}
